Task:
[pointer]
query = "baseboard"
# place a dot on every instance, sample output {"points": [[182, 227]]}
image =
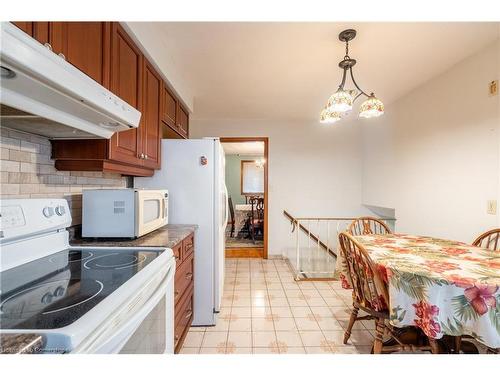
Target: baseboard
{"points": [[245, 252]]}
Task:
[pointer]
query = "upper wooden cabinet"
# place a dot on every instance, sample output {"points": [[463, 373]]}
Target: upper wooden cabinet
{"points": [[151, 124], [169, 112], [174, 116], [126, 82], [107, 54], [27, 27], [182, 121], [86, 46], [83, 44]]}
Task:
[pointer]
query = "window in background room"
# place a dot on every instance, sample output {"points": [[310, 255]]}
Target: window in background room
{"points": [[252, 178]]}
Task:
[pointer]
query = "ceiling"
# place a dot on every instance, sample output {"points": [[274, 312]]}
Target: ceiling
{"points": [[288, 70], [243, 148]]}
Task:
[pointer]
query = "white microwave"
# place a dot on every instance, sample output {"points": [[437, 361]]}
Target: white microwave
{"points": [[123, 212]]}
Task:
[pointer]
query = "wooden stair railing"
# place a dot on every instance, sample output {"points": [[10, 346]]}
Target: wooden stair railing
{"points": [[294, 223]]}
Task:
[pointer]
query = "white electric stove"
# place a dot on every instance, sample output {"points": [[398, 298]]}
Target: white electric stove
{"points": [[81, 299]]}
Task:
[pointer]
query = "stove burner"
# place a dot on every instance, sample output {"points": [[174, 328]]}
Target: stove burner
{"points": [[101, 286], [45, 295], [115, 261], [41, 289]]}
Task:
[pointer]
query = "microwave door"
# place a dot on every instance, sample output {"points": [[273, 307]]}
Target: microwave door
{"points": [[151, 211]]}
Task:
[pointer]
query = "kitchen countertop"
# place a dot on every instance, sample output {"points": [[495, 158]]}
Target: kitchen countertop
{"points": [[12, 343], [167, 236]]}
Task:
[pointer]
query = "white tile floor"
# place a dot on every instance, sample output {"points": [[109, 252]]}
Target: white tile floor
{"points": [[266, 312]]}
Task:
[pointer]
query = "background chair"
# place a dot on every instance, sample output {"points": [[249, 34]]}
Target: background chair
{"points": [[232, 220], [368, 225], [489, 240], [256, 219], [370, 294]]}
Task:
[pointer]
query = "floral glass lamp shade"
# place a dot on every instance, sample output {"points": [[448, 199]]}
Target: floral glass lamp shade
{"points": [[329, 117], [341, 101], [371, 107]]}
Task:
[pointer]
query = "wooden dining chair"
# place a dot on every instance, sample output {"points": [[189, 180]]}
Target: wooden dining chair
{"points": [[256, 219], [232, 220], [489, 240], [370, 295], [368, 225]]}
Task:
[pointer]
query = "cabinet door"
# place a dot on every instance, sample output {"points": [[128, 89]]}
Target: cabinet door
{"points": [[27, 27], [86, 46], [126, 82], [37, 30], [182, 121], [169, 108], [151, 131]]}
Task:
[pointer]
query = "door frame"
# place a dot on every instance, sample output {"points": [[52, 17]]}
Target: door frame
{"points": [[266, 178]]}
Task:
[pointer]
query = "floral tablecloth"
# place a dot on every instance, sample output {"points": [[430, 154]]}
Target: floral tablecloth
{"points": [[444, 287]]}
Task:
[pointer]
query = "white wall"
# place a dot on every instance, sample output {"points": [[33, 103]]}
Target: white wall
{"points": [[435, 156], [313, 169]]}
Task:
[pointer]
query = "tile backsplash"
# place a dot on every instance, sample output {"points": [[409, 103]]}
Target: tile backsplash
{"points": [[27, 171]]}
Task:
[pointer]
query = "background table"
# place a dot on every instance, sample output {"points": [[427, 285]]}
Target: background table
{"points": [[241, 212], [444, 287]]}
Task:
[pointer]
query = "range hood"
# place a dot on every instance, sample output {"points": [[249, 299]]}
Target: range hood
{"points": [[41, 93]]}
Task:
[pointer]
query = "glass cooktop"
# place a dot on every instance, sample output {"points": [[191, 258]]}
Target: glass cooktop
{"points": [[54, 291]]}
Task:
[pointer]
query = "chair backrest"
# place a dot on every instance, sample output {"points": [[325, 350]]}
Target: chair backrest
{"points": [[489, 240], [368, 225], [257, 207], [231, 208], [369, 290]]}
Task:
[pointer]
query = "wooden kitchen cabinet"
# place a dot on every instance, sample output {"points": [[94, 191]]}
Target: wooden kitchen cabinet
{"points": [[169, 110], [83, 44], [126, 82], [151, 124], [174, 117], [182, 121], [183, 290], [27, 27], [86, 46], [106, 53]]}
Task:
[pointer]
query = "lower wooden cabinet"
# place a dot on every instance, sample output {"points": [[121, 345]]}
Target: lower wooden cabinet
{"points": [[183, 290]]}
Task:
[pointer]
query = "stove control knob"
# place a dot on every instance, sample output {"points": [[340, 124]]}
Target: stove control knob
{"points": [[48, 211], [59, 292], [47, 298], [60, 210]]}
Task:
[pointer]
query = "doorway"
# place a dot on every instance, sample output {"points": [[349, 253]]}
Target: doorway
{"points": [[247, 166]]}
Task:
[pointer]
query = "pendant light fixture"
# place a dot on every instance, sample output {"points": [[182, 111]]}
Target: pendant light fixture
{"points": [[340, 103]]}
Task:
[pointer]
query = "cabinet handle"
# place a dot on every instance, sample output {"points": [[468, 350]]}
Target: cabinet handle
{"points": [[189, 313], [189, 276], [176, 339], [61, 55], [146, 156], [177, 257], [141, 156], [48, 46], [176, 294]]}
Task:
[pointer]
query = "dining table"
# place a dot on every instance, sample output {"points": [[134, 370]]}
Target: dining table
{"points": [[241, 214], [443, 287]]}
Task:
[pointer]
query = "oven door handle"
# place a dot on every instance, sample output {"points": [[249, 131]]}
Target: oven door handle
{"points": [[116, 339]]}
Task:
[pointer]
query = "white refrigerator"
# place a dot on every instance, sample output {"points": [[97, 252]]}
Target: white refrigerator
{"points": [[193, 172]]}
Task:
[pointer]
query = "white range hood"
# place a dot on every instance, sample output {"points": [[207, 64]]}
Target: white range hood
{"points": [[42, 93]]}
